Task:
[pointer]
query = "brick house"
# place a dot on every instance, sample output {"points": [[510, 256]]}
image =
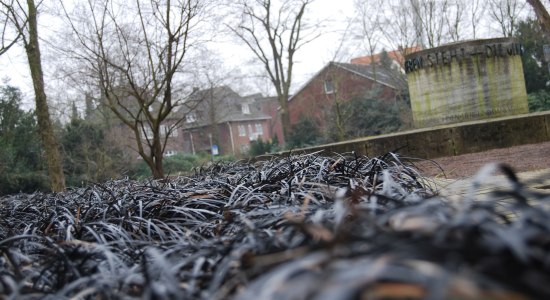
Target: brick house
{"points": [[270, 106], [216, 116], [338, 82], [222, 118]]}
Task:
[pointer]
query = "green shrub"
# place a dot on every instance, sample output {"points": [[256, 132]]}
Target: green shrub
{"points": [[304, 133], [180, 163], [22, 167], [225, 158], [366, 116], [27, 182], [539, 101], [259, 147], [176, 165]]}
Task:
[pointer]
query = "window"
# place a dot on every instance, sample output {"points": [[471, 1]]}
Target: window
{"points": [[245, 108], [251, 134], [164, 130], [242, 130], [147, 133], [174, 132], [259, 129], [169, 153], [329, 87], [190, 118]]}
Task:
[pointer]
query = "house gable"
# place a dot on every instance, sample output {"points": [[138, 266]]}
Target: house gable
{"points": [[336, 82]]}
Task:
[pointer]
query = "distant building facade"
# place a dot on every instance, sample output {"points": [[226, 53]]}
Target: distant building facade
{"points": [[222, 119], [338, 82], [212, 118]]}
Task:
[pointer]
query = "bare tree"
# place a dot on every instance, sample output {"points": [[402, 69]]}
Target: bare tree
{"points": [[399, 28], [274, 32], [476, 11], [506, 14], [542, 16], [136, 62], [369, 21], [455, 19], [430, 15], [213, 98], [21, 20]]}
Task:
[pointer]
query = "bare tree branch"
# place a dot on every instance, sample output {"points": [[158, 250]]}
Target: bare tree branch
{"points": [[542, 16], [506, 14], [136, 61], [274, 35]]}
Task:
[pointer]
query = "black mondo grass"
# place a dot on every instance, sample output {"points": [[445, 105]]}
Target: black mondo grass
{"points": [[297, 227]]}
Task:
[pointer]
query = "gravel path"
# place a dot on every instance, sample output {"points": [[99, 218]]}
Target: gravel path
{"points": [[521, 158]]}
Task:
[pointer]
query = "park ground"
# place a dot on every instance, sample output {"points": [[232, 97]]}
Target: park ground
{"points": [[524, 158]]}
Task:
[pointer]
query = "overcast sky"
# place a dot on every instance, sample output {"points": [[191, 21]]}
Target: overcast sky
{"points": [[333, 15], [308, 61]]}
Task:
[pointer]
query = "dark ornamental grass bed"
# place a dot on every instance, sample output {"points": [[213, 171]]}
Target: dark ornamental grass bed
{"points": [[299, 227]]}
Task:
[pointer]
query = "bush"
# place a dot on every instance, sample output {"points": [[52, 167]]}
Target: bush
{"points": [[176, 165], [87, 155], [304, 133], [22, 167], [260, 147], [23, 182], [539, 101], [180, 163], [367, 116]]}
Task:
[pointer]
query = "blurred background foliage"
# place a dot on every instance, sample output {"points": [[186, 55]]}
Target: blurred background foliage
{"points": [[88, 156], [535, 68]]}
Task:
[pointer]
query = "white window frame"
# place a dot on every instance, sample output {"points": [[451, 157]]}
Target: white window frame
{"points": [[164, 129], [147, 133], [252, 136], [169, 153], [259, 129], [329, 86], [190, 118], [242, 130], [245, 108]]}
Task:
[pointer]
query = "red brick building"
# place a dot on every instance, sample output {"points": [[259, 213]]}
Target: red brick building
{"points": [[270, 106], [338, 82], [212, 117], [225, 119]]}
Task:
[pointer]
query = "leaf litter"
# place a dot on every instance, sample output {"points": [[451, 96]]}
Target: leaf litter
{"points": [[304, 226]]}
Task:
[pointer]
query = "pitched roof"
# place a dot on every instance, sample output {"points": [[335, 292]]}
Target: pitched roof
{"points": [[397, 55], [228, 105], [381, 75]]}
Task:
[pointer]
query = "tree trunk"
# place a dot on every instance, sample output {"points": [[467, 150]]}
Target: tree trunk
{"points": [[158, 170], [285, 118], [53, 157], [542, 16]]}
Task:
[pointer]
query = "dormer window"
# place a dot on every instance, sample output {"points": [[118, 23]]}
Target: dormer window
{"points": [[190, 118], [329, 87], [245, 109]]}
